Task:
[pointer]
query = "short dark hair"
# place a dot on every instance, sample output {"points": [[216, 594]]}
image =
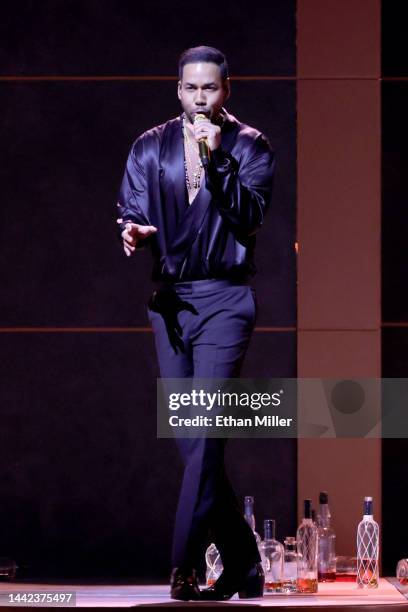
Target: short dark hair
{"points": [[204, 54]]}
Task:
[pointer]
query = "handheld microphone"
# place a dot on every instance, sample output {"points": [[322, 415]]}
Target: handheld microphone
{"points": [[203, 148]]}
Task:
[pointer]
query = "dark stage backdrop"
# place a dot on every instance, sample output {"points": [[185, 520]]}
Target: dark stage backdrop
{"points": [[394, 264], [86, 489]]}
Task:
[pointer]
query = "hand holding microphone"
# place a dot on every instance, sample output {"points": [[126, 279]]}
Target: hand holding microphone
{"points": [[208, 136]]}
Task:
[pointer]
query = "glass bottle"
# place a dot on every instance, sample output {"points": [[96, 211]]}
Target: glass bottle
{"points": [[290, 566], [212, 555], [214, 564], [272, 558], [306, 540], [368, 548], [250, 516], [326, 556]]}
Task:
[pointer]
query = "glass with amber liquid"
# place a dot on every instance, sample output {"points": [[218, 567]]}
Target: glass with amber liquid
{"points": [[272, 554], [346, 569], [368, 548], [402, 571], [307, 542]]}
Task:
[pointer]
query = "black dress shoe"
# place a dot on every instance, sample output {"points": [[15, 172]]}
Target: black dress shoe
{"points": [[247, 586], [184, 585]]}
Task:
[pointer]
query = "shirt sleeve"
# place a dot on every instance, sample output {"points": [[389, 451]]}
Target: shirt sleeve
{"points": [[242, 191], [133, 193]]}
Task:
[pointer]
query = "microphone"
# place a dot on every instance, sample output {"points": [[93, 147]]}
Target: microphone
{"points": [[203, 148]]}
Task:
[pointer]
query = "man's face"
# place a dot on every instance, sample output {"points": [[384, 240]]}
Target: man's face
{"points": [[202, 90]]}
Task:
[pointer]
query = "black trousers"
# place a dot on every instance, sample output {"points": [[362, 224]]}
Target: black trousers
{"points": [[202, 330]]}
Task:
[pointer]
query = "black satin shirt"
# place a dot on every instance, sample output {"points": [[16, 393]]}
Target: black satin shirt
{"points": [[214, 237]]}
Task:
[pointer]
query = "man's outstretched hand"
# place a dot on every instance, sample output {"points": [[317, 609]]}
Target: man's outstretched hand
{"points": [[134, 232]]}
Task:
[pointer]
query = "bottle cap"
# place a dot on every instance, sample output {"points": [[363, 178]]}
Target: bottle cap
{"points": [[368, 506], [290, 540], [323, 498], [307, 508]]}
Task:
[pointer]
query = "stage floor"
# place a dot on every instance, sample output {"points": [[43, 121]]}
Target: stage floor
{"points": [[332, 596]]}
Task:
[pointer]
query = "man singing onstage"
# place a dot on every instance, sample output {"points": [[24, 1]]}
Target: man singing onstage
{"points": [[196, 190]]}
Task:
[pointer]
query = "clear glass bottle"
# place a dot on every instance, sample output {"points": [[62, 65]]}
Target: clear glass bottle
{"points": [[368, 533], [306, 541], [290, 566], [212, 555], [214, 564], [249, 515], [326, 556], [272, 558]]}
